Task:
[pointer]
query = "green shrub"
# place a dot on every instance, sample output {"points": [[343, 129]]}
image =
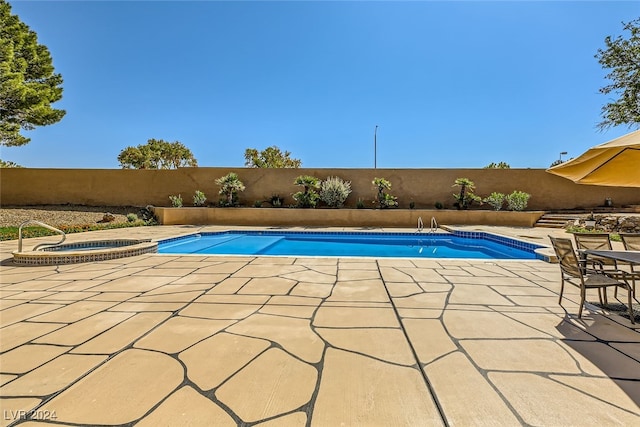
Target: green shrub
{"points": [[517, 201], [384, 199], [496, 200], [176, 201], [412, 204], [230, 186], [334, 191], [257, 204], [131, 217], [309, 197], [360, 204], [199, 198], [438, 205]]}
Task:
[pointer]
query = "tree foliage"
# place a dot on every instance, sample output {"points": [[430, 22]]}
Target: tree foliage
{"points": [[157, 154], [28, 84], [501, 165], [622, 57], [270, 157], [8, 164]]}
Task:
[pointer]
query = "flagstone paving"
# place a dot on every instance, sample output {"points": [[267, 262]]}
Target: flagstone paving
{"points": [[193, 340]]}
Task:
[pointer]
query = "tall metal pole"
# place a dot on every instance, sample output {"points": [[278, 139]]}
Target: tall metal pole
{"points": [[564, 153], [375, 148]]}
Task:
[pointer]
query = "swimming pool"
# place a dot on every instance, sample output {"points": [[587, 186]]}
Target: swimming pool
{"points": [[402, 245]]}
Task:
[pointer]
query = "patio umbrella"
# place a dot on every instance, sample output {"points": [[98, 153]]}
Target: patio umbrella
{"points": [[615, 163]]}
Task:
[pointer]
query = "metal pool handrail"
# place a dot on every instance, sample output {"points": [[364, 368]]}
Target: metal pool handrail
{"points": [[41, 224]]}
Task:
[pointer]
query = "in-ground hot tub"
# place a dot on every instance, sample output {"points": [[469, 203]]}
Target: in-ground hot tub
{"points": [[89, 251]]}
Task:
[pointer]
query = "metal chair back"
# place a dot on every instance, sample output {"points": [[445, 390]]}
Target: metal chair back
{"points": [[598, 242], [567, 258], [631, 241]]}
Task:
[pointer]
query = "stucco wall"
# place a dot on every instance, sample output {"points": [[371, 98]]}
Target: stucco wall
{"points": [[424, 187], [342, 217]]}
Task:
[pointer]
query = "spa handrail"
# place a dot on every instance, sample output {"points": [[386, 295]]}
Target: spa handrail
{"points": [[41, 224]]}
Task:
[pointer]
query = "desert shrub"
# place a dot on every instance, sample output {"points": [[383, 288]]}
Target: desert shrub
{"points": [[384, 199], [199, 198], [496, 200], [334, 191], [131, 217], [438, 205], [230, 186], [517, 201], [275, 200], [176, 201], [360, 204], [309, 197], [257, 204]]}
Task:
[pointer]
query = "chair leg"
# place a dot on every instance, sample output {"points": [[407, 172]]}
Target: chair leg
{"points": [[583, 294], [631, 316], [604, 294], [561, 290]]}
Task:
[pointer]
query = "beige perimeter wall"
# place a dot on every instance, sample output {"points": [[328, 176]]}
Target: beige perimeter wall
{"points": [[113, 187]]}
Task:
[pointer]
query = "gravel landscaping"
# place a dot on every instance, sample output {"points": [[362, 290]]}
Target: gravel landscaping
{"points": [[57, 215]]}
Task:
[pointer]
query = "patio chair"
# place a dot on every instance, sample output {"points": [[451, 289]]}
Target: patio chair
{"points": [[631, 242], [578, 274], [599, 242]]}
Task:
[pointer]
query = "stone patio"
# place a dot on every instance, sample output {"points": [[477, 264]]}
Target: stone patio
{"points": [[282, 341]]}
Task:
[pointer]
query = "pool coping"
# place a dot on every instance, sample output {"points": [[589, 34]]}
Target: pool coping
{"points": [[50, 256]]}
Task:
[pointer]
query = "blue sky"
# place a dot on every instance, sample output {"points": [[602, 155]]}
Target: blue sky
{"points": [[450, 84]]}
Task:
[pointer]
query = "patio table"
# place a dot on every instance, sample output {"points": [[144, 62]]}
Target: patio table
{"points": [[631, 257]]}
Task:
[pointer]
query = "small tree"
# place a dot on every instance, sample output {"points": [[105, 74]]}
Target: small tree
{"points": [[28, 83], [157, 154], [466, 197], [309, 197], [384, 199], [230, 186], [270, 157], [622, 57]]}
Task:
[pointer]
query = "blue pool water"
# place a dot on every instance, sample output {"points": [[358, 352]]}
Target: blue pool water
{"points": [[403, 245]]}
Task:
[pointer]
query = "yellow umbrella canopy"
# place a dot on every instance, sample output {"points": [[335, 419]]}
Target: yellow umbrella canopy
{"points": [[614, 163]]}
